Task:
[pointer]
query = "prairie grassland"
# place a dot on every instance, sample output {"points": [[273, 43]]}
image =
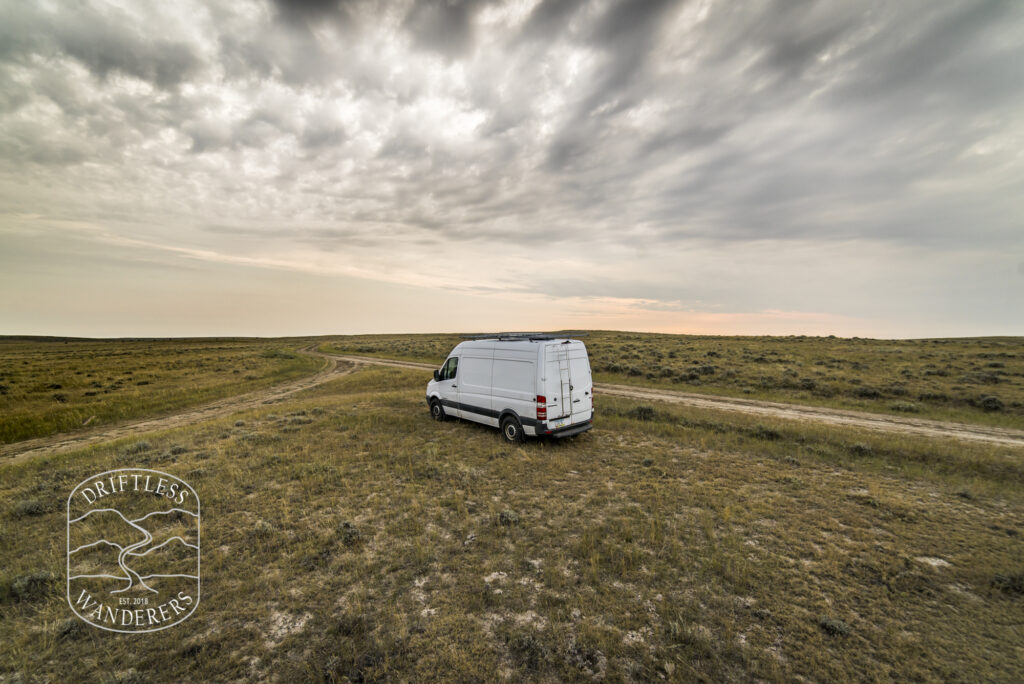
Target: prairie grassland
{"points": [[348, 536], [970, 380], [53, 385]]}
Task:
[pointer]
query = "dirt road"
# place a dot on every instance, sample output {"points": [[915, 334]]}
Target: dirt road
{"points": [[770, 409], [338, 365], [55, 444]]}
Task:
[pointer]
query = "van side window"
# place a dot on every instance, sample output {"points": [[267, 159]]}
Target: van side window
{"points": [[450, 368]]}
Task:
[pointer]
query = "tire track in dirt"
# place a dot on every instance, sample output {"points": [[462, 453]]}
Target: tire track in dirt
{"points": [[770, 409], [54, 444], [59, 443]]}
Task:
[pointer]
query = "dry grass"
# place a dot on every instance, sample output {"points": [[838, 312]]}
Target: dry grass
{"points": [[53, 385], [346, 535], [968, 380]]}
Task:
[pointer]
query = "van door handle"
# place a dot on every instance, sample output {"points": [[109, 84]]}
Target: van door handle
{"points": [[454, 386], [575, 401]]}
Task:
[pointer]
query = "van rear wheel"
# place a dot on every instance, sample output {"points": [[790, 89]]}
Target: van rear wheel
{"points": [[437, 411], [511, 430]]}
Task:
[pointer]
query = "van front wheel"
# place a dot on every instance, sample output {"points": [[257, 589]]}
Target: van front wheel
{"points": [[511, 430], [437, 411]]}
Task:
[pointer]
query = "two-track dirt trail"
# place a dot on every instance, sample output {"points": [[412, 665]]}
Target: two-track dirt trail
{"points": [[894, 424], [54, 444], [771, 409]]}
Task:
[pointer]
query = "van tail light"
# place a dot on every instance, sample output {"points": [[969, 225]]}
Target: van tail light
{"points": [[542, 407]]}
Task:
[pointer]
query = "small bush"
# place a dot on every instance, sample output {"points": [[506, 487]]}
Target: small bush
{"points": [[1009, 584], [861, 449], [137, 448], [348, 534], [31, 586], [981, 378], [70, 628], [280, 354], [905, 407], [932, 396], [527, 649], [642, 413], [27, 508], [766, 433], [991, 404], [834, 627], [508, 518], [867, 393]]}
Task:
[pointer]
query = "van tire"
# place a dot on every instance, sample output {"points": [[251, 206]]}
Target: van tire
{"points": [[437, 411], [512, 430]]}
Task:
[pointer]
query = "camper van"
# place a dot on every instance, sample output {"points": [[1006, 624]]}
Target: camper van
{"points": [[527, 385]]}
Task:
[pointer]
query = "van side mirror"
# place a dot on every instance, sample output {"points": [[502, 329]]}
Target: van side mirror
{"points": [[437, 375]]}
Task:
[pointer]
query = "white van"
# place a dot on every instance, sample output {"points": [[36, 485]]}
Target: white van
{"points": [[533, 385]]}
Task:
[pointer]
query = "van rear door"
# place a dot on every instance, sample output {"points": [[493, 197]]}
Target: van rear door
{"points": [[582, 384], [568, 384], [558, 381]]}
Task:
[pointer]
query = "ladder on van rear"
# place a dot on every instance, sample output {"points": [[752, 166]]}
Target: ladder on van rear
{"points": [[565, 399]]}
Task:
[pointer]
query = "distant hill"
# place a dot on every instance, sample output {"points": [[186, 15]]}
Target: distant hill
{"points": [[172, 557], [165, 525], [103, 524], [99, 558]]}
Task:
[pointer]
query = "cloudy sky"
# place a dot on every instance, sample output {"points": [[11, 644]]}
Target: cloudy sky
{"points": [[275, 168]]}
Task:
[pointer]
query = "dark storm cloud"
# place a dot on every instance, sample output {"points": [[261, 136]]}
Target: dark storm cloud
{"points": [[443, 26], [305, 11], [100, 42], [626, 35], [550, 18], [877, 79]]}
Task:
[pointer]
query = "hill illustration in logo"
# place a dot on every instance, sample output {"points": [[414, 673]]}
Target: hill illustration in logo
{"points": [[173, 557], [103, 543]]}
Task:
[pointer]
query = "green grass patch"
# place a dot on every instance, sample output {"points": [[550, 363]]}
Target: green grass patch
{"points": [[50, 385]]}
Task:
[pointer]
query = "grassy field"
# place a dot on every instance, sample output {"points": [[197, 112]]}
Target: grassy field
{"points": [[50, 385], [346, 536], [967, 380]]}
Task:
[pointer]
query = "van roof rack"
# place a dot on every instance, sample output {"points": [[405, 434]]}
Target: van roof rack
{"points": [[529, 336]]}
